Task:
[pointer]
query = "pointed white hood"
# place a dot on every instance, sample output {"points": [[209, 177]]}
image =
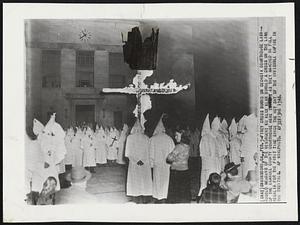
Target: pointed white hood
{"points": [[241, 124], [206, 126], [124, 131], [70, 132], [224, 125], [125, 127], [38, 127], [233, 129], [50, 124], [137, 128], [54, 127], [160, 128], [89, 131], [101, 128], [215, 125]]}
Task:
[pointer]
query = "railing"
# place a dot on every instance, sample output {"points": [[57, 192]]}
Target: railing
{"points": [[51, 82], [84, 83]]}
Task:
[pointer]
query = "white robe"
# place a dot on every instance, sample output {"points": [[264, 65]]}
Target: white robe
{"points": [[89, 159], [47, 152], [36, 173], [78, 152], [54, 150], [248, 150], [222, 143], [101, 148], [139, 181], [112, 147], [210, 161], [160, 146], [235, 150], [121, 148], [69, 159]]}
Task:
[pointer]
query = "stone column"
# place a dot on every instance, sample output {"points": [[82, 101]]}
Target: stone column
{"points": [[33, 86], [68, 69]]}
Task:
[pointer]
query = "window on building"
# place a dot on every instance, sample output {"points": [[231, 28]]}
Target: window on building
{"points": [[116, 81], [85, 114], [118, 119], [85, 68], [51, 68]]}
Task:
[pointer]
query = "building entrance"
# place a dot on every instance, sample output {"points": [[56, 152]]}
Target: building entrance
{"points": [[85, 113]]}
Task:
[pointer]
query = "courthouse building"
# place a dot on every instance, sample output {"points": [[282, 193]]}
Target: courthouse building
{"points": [[66, 72]]}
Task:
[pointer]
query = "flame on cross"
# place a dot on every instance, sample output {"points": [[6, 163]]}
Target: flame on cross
{"points": [[143, 92]]}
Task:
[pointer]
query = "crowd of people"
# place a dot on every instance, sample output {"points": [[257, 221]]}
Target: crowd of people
{"points": [[216, 165], [88, 148], [228, 158]]}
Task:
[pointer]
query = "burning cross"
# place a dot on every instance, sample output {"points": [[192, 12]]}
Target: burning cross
{"points": [[142, 92]]}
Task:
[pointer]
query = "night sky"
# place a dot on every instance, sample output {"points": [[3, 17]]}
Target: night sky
{"points": [[213, 56]]}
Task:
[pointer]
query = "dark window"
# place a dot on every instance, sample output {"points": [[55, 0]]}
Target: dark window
{"points": [[51, 68], [116, 81], [85, 68], [85, 114], [118, 119]]}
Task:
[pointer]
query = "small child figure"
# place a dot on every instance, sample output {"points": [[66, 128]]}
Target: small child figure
{"points": [[213, 193], [47, 195]]}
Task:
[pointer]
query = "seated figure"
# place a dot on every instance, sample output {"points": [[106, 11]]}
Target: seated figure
{"points": [[234, 183], [47, 195], [213, 193]]}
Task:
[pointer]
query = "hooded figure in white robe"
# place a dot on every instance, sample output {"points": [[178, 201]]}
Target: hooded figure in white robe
{"points": [[139, 181], [220, 147], [89, 159], [235, 144], [76, 146], [45, 154], [249, 145], [36, 169], [53, 144], [112, 142], [208, 151], [69, 159], [121, 142], [100, 146], [160, 146], [223, 144]]}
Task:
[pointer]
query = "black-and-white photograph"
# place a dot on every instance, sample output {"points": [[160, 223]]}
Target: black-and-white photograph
{"points": [[140, 111], [154, 111]]}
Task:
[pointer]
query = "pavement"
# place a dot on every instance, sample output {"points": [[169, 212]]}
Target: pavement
{"points": [[108, 184]]}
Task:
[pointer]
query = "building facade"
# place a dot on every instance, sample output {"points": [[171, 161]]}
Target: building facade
{"points": [[68, 62], [65, 74]]}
